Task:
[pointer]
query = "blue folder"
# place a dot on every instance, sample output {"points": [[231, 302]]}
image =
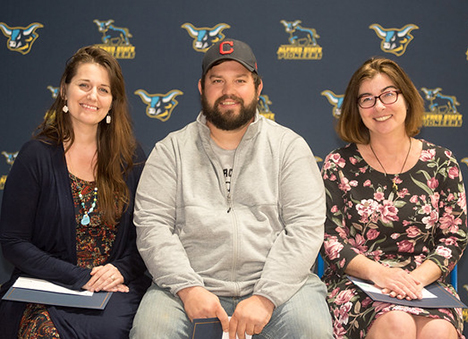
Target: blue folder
{"points": [[97, 301], [443, 299]]}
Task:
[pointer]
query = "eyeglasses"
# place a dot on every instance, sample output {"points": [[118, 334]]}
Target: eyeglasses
{"points": [[387, 98]]}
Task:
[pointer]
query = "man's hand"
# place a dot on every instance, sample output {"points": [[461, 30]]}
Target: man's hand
{"points": [[250, 316], [200, 303]]}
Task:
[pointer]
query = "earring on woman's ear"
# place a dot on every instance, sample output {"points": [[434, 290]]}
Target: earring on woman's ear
{"points": [[108, 119], [65, 108]]}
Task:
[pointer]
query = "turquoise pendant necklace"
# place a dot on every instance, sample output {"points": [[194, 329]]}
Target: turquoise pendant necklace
{"points": [[85, 220]]}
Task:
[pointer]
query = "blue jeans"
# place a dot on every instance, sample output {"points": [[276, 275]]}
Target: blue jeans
{"points": [[304, 316]]}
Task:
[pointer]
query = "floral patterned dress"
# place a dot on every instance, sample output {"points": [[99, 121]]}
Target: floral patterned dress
{"points": [[423, 219], [93, 245]]}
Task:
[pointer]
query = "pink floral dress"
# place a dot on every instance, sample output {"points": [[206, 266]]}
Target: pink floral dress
{"points": [[424, 219]]}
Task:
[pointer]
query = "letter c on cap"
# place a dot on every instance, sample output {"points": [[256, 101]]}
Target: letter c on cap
{"points": [[226, 51]]}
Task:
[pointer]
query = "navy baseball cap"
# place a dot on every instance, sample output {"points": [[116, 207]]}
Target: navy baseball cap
{"points": [[230, 49]]}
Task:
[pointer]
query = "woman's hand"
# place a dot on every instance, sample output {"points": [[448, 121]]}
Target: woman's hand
{"points": [[398, 283], [106, 278], [395, 282]]}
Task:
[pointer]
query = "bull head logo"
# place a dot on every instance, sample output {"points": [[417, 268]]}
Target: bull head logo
{"points": [[159, 106], [10, 157], [20, 39], [394, 40], [205, 37], [334, 99]]}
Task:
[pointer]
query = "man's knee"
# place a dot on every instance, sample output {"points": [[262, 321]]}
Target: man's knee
{"points": [[160, 315], [315, 325], [156, 328], [305, 315]]}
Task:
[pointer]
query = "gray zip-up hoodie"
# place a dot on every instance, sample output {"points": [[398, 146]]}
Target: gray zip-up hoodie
{"points": [[262, 238]]}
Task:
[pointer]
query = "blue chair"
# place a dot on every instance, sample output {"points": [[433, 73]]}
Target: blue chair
{"points": [[320, 265], [453, 275], [454, 278]]}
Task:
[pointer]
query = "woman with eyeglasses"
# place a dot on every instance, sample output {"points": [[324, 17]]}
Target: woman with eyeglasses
{"points": [[396, 211]]}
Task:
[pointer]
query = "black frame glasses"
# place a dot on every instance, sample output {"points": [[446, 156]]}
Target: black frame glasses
{"points": [[386, 98]]}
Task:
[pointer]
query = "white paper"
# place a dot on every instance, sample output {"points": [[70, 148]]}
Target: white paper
{"points": [[371, 288], [226, 335], [44, 285]]}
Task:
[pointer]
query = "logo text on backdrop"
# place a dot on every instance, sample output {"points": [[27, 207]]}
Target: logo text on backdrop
{"points": [[116, 40], [443, 110], [302, 43]]}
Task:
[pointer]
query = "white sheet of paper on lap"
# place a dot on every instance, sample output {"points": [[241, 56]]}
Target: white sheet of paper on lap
{"points": [[371, 288], [44, 285]]}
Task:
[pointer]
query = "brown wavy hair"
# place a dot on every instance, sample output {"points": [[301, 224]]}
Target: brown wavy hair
{"points": [[350, 127], [115, 141]]}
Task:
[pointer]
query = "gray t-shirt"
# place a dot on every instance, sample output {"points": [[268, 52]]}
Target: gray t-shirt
{"points": [[226, 157]]}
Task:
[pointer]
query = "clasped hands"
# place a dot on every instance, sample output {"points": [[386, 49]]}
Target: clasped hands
{"points": [[250, 316], [399, 284], [106, 278]]}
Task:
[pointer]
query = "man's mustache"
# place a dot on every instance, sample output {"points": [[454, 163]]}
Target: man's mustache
{"points": [[231, 97]]}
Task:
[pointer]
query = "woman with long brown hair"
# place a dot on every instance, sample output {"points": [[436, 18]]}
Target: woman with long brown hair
{"points": [[67, 213]]}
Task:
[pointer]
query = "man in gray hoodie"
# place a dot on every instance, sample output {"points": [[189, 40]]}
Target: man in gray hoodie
{"points": [[229, 214]]}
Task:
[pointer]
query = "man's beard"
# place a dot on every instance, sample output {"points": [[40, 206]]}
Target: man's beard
{"points": [[228, 121]]}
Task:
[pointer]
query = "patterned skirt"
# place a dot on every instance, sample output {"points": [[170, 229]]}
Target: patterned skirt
{"points": [[353, 312], [36, 323], [93, 245]]}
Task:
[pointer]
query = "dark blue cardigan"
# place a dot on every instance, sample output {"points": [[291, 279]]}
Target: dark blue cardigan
{"points": [[37, 235]]}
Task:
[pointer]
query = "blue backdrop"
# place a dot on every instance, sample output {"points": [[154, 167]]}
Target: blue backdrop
{"points": [[306, 51]]}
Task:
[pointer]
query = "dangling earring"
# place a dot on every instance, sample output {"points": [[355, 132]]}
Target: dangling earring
{"points": [[108, 119], [65, 108]]}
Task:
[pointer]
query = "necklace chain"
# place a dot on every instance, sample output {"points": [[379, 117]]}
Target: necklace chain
{"points": [[85, 219], [394, 185]]}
